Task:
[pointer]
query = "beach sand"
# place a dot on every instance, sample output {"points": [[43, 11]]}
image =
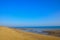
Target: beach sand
{"points": [[14, 34]]}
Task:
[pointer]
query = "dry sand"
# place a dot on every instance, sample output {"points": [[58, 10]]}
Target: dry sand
{"points": [[13, 34]]}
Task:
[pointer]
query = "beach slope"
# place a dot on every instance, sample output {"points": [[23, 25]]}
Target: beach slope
{"points": [[13, 34]]}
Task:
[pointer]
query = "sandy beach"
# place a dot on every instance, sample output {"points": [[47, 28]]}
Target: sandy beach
{"points": [[13, 34]]}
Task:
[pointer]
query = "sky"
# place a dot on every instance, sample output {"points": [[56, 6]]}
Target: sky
{"points": [[29, 12]]}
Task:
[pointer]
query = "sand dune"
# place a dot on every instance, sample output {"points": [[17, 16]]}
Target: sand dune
{"points": [[13, 34]]}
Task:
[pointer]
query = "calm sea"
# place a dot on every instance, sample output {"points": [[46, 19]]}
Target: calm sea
{"points": [[39, 29]]}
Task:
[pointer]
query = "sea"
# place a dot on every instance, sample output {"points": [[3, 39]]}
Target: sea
{"points": [[38, 29]]}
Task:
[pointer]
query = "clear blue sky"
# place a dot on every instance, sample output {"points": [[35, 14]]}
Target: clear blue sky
{"points": [[30, 12]]}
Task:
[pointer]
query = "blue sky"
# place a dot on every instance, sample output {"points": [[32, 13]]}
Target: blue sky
{"points": [[30, 12]]}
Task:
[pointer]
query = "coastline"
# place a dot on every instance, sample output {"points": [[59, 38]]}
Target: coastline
{"points": [[14, 34]]}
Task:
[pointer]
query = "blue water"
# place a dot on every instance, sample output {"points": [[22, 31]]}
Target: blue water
{"points": [[39, 29]]}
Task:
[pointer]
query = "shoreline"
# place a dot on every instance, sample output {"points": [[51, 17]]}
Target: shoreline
{"points": [[16, 34]]}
